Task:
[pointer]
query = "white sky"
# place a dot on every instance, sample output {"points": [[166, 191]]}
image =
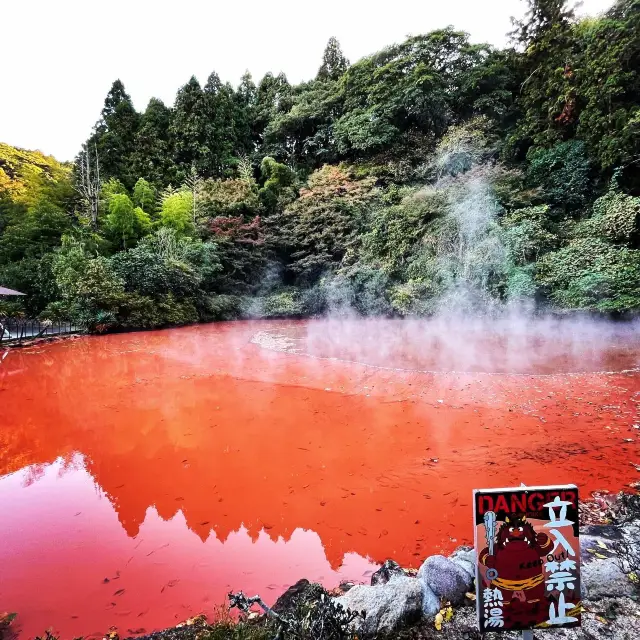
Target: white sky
{"points": [[61, 56]]}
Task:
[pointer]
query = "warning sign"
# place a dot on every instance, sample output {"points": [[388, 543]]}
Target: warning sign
{"points": [[528, 557]]}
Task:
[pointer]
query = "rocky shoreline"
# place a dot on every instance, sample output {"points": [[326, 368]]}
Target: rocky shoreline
{"points": [[438, 600]]}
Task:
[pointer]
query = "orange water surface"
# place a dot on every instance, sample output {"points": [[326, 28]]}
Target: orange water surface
{"points": [[145, 475]]}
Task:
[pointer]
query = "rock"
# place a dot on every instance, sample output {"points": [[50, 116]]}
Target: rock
{"points": [[465, 557], [468, 567], [630, 533], [446, 579], [608, 531], [387, 606], [604, 578], [464, 553], [618, 619], [301, 592], [593, 543], [386, 572], [430, 602], [346, 585]]}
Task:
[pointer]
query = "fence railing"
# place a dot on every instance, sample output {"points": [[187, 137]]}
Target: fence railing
{"points": [[18, 329]]}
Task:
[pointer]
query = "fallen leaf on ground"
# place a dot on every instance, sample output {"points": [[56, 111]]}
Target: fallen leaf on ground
{"points": [[438, 621]]}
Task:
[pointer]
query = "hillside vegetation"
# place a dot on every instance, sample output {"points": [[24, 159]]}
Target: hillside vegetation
{"points": [[434, 174]]}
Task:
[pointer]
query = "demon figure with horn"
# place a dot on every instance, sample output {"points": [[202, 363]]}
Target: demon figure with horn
{"points": [[514, 558]]}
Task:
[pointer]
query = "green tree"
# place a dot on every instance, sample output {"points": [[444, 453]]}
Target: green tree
{"points": [[112, 187], [303, 135], [88, 286], [334, 63], [34, 233], [608, 87], [115, 135], [177, 212], [561, 172], [145, 196], [221, 143], [188, 129], [273, 96], [245, 102], [279, 184], [547, 99], [152, 156], [125, 222], [412, 88]]}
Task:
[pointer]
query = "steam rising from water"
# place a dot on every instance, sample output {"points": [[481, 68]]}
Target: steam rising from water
{"points": [[472, 327], [511, 344], [469, 250]]}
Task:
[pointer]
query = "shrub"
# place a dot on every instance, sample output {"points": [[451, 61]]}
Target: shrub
{"points": [[464, 146], [521, 283], [615, 217], [220, 307], [174, 311], [394, 232], [138, 312], [320, 230], [286, 303], [592, 274], [90, 287], [527, 233], [368, 290], [236, 197], [562, 172], [144, 271]]}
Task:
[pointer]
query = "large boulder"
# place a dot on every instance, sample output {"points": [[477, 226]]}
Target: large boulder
{"points": [[604, 578], [465, 557], [601, 550], [430, 602], [388, 570], [387, 606], [445, 578]]}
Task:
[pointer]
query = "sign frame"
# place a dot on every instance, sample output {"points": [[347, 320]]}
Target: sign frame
{"points": [[535, 583]]}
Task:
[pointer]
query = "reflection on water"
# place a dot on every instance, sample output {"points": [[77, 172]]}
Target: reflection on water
{"points": [[144, 475], [77, 570]]}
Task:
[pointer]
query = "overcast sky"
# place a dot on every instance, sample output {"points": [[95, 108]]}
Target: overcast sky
{"points": [[61, 56]]}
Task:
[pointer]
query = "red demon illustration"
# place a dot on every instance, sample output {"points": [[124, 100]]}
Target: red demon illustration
{"points": [[517, 559]]}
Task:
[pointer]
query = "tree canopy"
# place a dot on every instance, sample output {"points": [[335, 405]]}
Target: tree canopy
{"points": [[433, 168]]}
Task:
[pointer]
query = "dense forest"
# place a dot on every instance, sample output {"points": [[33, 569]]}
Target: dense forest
{"points": [[433, 174]]}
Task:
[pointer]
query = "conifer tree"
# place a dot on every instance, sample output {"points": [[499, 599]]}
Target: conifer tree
{"points": [[152, 153], [334, 62], [220, 138], [115, 133], [188, 129]]}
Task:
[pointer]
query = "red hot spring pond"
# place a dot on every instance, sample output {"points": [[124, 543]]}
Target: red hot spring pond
{"points": [[145, 475]]}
